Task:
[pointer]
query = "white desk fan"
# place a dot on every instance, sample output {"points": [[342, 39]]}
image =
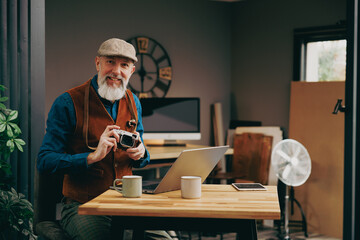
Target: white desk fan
{"points": [[292, 165]]}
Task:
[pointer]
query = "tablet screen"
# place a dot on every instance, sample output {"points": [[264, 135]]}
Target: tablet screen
{"points": [[248, 186]]}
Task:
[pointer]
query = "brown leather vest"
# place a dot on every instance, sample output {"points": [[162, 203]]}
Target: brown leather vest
{"points": [[90, 183]]}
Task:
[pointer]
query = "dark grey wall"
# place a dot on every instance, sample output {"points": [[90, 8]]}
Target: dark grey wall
{"points": [[262, 53], [239, 54], [196, 35]]}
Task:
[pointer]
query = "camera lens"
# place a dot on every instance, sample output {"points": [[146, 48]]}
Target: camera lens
{"points": [[127, 141]]}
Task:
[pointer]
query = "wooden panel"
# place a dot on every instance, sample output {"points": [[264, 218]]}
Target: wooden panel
{"points": [[217, 201], [277, 135], [251, 159], [322, 133], [217, 118]]}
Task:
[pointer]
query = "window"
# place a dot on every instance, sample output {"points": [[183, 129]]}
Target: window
{"points": [[320, 53]]}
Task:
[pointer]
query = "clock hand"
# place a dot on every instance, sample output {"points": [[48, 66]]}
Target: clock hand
{"points": [[149, 77], [142, 73]]}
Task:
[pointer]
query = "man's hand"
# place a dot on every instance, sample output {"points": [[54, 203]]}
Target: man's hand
{"points": [[108, 140], [136, 153]]}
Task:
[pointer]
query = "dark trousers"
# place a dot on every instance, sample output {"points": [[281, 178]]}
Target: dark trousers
{"points": [[92, 227]]}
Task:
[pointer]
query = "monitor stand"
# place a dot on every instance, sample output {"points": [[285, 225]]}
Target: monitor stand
{"points": [[164, 143]]}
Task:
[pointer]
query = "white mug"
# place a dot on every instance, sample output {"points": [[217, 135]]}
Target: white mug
{"points": [[190, 187], [131, 186]]}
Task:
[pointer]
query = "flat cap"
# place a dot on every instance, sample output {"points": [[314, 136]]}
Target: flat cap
{"points": [[118, 48]]}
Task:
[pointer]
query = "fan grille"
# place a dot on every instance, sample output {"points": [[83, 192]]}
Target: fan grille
{"points": [[291, 162]]}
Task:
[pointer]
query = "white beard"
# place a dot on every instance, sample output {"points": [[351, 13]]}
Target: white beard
{"points": [[110, 93]]}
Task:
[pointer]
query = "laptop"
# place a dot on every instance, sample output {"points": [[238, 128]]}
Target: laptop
{"points": [[193, 162]]}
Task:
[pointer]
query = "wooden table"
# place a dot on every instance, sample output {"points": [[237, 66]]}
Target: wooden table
{"points": [[220, 209]]}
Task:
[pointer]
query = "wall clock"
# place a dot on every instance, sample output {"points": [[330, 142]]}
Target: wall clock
{"points": [[153, 73]]}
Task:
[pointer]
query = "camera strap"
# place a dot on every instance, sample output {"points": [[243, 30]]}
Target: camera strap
{"points": [[134, 120], [131, 123], [86, 117]]}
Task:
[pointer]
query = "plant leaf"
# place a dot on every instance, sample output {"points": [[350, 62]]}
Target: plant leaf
{"points": [[3, 99], [19, 141], [16, 128], [13, 115], [9, 131], [2, 106], [10, 145], [2, 127], [2, 117], [19, 147], [5, 168]]}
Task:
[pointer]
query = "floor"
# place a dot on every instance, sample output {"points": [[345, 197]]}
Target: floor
{"points": [[264, 233]]}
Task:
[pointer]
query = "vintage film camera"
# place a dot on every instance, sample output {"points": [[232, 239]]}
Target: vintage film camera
{"points": [[127, 139]]}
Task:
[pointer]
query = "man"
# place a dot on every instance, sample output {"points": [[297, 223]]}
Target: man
{"points": [[81, 139]]}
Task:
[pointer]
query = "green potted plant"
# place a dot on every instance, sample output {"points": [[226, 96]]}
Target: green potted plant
{"points": [[16, 212]]}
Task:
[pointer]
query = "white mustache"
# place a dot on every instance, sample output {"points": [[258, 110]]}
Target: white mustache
{"points": [[115, 78]]}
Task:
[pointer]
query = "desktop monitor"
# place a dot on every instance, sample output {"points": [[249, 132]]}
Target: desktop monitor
{"points": [[171, 119]]}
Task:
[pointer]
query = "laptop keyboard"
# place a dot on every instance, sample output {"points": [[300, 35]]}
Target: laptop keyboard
{"points": [[150, 186]]}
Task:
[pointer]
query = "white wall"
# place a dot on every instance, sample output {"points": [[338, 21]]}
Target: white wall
{"points": [[262, 53], [196, 35]]}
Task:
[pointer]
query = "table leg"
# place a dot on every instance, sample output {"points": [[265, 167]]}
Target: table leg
{"points": [[138, 234], [251, 234], [116, 232]]}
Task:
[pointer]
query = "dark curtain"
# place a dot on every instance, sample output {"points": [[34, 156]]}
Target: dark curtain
{"points": [[22, 72]]}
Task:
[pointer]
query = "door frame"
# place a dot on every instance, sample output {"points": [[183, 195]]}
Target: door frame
{"points": [[352, 143]]}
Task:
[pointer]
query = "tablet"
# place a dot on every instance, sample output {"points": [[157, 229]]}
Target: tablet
{"points": [[248, 186]]}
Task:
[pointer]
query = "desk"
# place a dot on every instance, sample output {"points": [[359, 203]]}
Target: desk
{"points": [[220, 209]]}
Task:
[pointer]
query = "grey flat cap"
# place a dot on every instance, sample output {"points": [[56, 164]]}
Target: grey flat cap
{"points": [[117, 47]]}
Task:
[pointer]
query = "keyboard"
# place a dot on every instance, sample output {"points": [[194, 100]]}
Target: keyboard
{"points": [[150, 186]]}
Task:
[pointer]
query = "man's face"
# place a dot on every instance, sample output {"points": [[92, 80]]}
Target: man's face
{"points": [[113, 76], [114, 69]]}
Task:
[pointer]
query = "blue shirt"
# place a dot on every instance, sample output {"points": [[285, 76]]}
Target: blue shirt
{"points": [[60, 127]]}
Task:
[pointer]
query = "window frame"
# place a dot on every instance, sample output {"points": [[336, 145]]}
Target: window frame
{"points": [[302, 36]]}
